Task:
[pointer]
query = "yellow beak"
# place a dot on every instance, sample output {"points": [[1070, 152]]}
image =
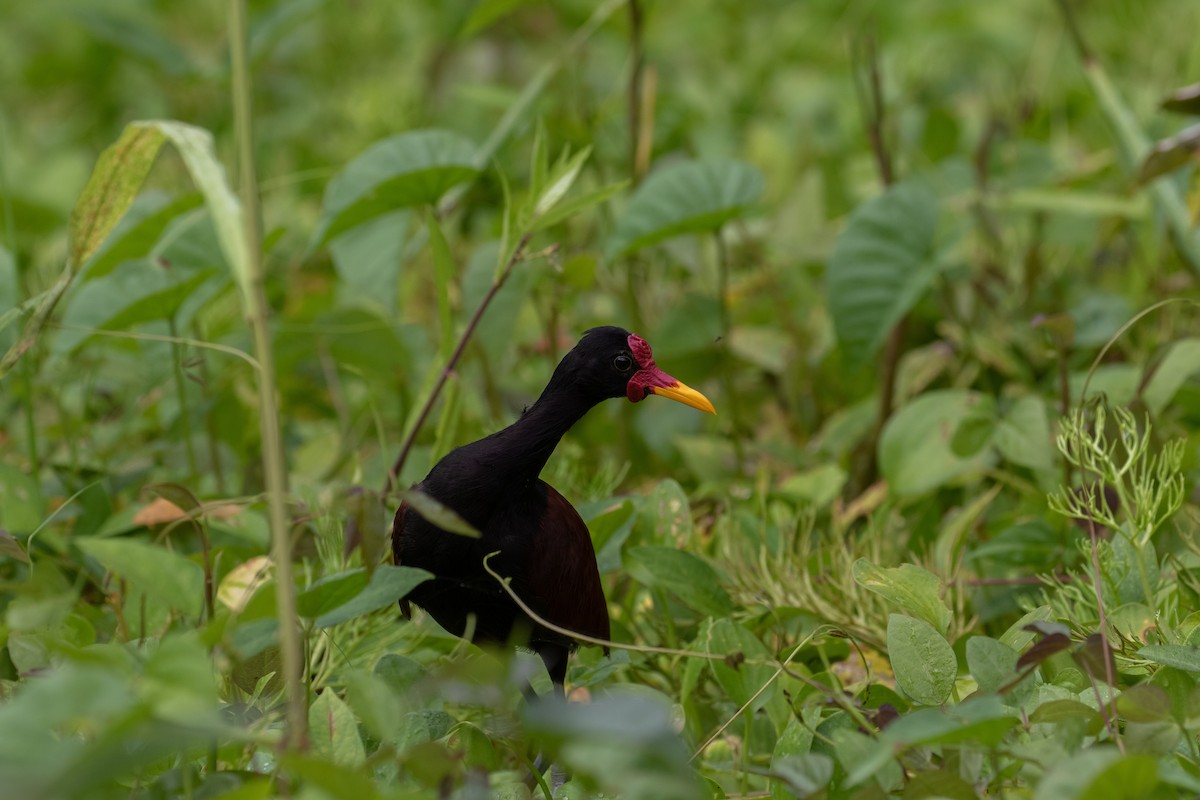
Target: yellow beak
{"points": [[685, 394]]}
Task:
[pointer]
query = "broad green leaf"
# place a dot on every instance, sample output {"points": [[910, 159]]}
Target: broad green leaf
{"points": [[1144, 702], [368, 260], [22, 507], [1179, 656], [915, 454], [624, 740], [980, 720], [686, 197], [163, 575], [133, 239], [330, 592], [880, 266], [922, 660], [910, 588], [376, 705], [788, 759], [387, 585], [405, 170], [119, 174], [740, 680], [805, 774], [1023, 434], [335, 779], [1056, 711], [195, 147], [134, 293], [333, 731], [818, 486], [1177, 366], [689, 577], [180, 679], [992, 663], [1100, 773]]}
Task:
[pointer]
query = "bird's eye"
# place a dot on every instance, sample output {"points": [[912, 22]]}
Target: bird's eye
{"points": [[623, 362]]}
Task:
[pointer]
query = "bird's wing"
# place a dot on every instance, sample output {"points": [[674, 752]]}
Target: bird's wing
{"points": [[563, 572]]}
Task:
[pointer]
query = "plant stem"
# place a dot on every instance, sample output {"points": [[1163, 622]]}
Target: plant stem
{"points": [[291, 653], [464, 337]]}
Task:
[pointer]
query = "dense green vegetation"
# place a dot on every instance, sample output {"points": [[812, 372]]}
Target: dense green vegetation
{"points": [[938, 542]]}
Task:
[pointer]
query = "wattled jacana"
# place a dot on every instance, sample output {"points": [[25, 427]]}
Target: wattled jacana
{"points": [[543, 544]]}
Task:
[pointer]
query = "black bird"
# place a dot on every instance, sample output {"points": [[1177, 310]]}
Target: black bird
{"points": [[543, 544]]}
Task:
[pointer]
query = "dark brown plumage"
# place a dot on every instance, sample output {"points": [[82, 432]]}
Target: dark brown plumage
{"points": [[543, 544]]}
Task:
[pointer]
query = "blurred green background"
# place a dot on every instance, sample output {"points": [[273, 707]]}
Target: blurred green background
{"points": [[1015, 244]]}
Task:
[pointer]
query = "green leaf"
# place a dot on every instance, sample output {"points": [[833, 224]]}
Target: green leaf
{"points": [[163, 575], [577, 205], [118, 175], [11, 548], [335, 779], [388, 584], [1179, 656], [788, 759], [1180, 363], [134, 293], [333, 731], [195, 147], [137, 238], [686, 197], [1023, 434], [991, 662], [910, 588], [330, 592], [689, 577], [915, 454], [805, 774], [369, 258], [405, 170], [922, 660], [739, 679], [880, 266], [818, 486], [560, 181], [1100, 773], [442, 516], [22, 507]]}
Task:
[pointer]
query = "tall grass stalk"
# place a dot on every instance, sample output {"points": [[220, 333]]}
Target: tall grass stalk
{"points": [[291, 654]]}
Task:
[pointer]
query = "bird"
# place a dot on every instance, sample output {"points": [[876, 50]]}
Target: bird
{"points": [[542, 543]]}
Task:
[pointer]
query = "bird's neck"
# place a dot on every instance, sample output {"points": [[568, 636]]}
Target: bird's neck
{"points": [[529, 442]]}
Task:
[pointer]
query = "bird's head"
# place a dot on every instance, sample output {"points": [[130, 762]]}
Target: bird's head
{"points": [[615, 362]]}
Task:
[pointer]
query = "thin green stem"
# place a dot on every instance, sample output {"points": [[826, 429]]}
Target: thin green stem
{"points": [[290, 645], [423, 414]]}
